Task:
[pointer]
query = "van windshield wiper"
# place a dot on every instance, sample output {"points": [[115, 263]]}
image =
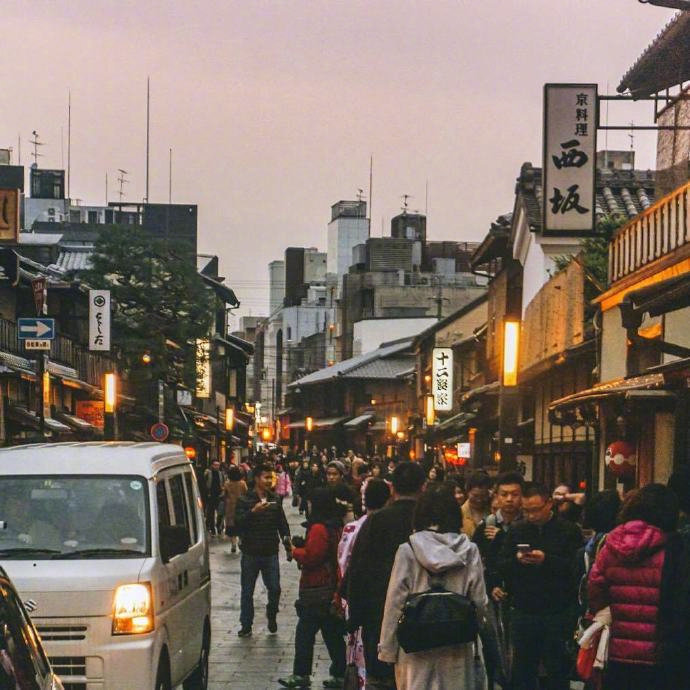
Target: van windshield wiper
{"points": [[105, 552], [26, 551]]}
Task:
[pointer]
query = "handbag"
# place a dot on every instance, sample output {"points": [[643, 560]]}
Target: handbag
{"points": [[436, 618], [351, 677], [585, 662], [316, 596]]}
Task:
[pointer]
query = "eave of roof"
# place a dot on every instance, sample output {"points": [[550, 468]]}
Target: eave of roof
{"points": [[223, 291], [664, 63]]}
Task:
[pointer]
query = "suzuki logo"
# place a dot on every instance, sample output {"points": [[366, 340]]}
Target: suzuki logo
{"points": [[30, 605]]}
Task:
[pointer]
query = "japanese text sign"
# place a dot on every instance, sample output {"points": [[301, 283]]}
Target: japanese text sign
{"points": [[569, 168], [203, 369], [442, 378], [99, 320], [9, 215]]}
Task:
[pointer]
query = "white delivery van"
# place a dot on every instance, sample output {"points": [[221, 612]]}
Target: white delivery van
{"points": [[106, 544]]}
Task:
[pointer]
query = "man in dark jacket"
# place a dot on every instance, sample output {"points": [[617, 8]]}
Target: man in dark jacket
{"points": [[371, 565], [262, 524], [537, 561]]}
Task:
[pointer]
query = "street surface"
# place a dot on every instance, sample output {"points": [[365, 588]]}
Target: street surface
{"points": [[255, 663]]}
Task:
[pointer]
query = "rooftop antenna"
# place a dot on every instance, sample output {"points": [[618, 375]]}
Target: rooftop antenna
{"points": [[19, 149], [632, 135], [69, 141], [360, 194], [106, 187], [170, 178], [371, 186], [426, 198], [123, 181], [606, 133], [148, 122], [36, 143], [405, 205]]}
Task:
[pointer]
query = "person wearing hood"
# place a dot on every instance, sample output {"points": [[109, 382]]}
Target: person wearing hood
{"points": [[435, 548], [317, 559], [629, 577]]}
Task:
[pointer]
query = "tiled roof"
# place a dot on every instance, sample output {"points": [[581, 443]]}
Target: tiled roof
{"points": [[665, 62], [352, 367], [391, 368], [618, 192], [74, 258]]}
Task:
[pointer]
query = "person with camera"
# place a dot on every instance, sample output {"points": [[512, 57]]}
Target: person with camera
{"points": [[537, 561], [316, 556], [262, 525]]}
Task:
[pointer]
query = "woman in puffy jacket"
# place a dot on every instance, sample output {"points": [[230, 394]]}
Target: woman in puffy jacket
{"points": [[627, 577]]}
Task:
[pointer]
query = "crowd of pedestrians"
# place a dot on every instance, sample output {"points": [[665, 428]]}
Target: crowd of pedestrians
{"points": [[558, 584]]}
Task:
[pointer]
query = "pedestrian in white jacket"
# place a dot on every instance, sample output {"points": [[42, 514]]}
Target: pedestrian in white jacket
{"points": [[435, 547]]}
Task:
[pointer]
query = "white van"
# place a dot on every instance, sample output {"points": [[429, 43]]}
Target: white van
{"points": [[106, 544]]}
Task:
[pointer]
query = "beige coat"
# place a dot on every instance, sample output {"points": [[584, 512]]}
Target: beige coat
{"points": [[231, 492]]}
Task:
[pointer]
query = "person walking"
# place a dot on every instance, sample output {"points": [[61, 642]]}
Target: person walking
{"points": [[536, 562], [437, 549], [371, 564], [633, 576], [213, 480], [234, 487], [316, 556], [283, 484], [261, 522], [478, 503]]}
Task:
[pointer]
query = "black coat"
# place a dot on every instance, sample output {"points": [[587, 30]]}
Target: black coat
{"points": [[549, 587], [372, 560], [260, 532]]}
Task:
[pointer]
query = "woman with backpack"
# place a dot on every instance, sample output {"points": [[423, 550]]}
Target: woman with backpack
{"points": [[316, 556], [437, 554]]}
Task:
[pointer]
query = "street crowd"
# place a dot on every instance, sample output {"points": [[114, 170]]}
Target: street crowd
{"points": [[421, 578]]}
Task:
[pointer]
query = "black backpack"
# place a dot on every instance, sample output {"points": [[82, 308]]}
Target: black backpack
{"points": [[436, 618]]}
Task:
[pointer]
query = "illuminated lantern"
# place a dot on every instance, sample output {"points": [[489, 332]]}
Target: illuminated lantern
{"points": [[620, 459]]}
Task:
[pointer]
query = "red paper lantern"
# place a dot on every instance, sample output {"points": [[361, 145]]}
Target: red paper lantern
{"points": [[621, 459]]}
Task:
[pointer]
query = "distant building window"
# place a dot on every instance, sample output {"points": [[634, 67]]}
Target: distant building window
{"points": [[57, 190], [289, 332], [108, 216], [93, 217]]}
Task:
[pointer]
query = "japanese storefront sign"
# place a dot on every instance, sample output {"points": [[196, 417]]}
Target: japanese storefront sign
{"points": [[203, 369], [569, 167], [9, 215], [442, 379], [91, 411], [99, 320]]}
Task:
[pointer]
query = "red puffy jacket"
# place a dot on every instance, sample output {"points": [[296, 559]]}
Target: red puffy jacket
{"points": [[318, 557], [627, 577]]}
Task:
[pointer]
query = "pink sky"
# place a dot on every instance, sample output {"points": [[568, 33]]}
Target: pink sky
{"points": [[273, 108]]}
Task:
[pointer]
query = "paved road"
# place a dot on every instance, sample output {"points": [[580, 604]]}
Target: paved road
{"points": [[255, 663]]}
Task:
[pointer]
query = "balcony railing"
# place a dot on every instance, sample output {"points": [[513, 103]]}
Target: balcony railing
{"points": [[656, 232], [90, 366]]}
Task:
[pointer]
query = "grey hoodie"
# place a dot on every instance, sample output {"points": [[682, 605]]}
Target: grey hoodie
{"points": [[451, 554]]}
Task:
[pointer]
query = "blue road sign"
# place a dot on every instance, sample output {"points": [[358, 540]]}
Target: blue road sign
{"points": [[36, 329]]}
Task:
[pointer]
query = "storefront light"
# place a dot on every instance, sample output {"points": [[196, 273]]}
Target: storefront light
{"points": [[511, 341]]}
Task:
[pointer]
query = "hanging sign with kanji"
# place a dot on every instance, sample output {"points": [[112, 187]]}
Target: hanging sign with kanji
{"points": [[442, 378], [569, 166]]}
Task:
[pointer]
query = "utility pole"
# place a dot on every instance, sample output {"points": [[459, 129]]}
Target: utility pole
{"points": [[439, 299]]}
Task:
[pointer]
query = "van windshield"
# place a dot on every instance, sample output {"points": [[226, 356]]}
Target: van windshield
{"points": [[89, 516]]}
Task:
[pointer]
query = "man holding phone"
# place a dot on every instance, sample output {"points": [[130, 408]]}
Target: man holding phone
{"points": [[537, 563], [262, 525]]}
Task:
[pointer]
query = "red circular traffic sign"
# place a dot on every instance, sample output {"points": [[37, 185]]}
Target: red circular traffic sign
{"points": [[160, 432]]}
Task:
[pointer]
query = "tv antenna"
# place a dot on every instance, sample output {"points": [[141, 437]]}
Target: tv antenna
{"points": [[405, 198], [360, 194], [123, 181], [632, 135], [36, 143]]}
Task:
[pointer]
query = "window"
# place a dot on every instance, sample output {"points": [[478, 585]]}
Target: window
{"points": [[93, 217], [189, 483], [179, 501], [163, 508]]}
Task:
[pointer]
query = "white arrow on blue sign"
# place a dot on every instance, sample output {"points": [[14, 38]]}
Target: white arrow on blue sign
{"points": [[36, 329]]}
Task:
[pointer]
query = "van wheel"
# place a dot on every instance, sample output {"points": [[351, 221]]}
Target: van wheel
{"points": [[163, 673], [198, 680]]}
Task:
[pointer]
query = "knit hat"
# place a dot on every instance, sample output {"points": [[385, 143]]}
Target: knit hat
{"points": [[338, 466]]}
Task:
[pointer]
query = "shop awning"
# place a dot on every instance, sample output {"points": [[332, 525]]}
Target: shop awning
{"points": [[487, 389], [29, 418], [564, 410], [359, 421], [77, 423]]}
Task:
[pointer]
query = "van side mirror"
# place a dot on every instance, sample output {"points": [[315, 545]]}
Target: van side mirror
{"points": [[174, 540]]}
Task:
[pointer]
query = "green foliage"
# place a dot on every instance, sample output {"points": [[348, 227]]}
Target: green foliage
{"points": [[158, 299]]}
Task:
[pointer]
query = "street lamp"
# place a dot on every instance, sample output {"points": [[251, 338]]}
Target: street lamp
{"points": [[109, 405], [309, 424], [511, 342], [395, 423], [229, 418], [430, 412]]}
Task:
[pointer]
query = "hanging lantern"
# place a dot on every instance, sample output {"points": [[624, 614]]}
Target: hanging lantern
{"points": [[621, 459]]}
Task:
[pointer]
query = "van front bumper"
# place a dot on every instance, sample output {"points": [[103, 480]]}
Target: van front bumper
{"points": [[86, 655]]}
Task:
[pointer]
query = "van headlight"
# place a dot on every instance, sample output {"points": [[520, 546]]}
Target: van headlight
{"points": [[133, 609]]}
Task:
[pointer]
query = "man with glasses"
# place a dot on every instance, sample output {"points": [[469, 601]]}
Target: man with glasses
{"points": [[537, 564]]}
